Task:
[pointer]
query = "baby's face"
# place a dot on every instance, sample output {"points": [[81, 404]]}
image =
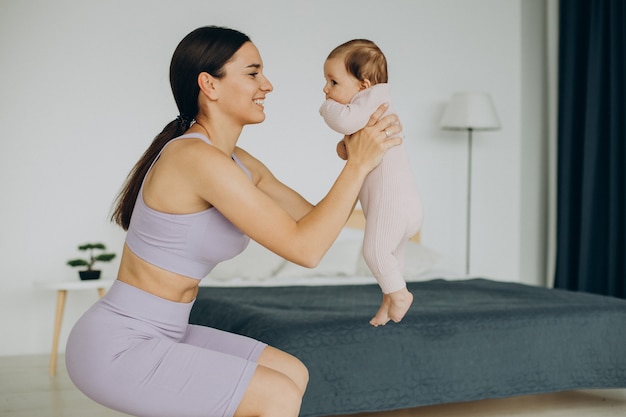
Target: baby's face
{"points": [[340, 85]]}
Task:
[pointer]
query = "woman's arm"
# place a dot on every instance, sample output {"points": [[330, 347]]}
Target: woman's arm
{"points": [[292, 202], [271, 214]]}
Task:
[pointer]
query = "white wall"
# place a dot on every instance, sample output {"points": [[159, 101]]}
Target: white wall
{"points": [[534, 141], [84, 89]]}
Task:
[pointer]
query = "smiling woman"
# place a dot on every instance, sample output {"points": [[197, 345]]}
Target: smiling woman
{"points": [[187, 206]]}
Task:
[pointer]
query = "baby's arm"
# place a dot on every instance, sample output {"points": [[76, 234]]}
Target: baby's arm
{"points": [[344, 118], [349, 118]]}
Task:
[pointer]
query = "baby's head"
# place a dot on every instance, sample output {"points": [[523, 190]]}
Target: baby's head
{"points": [[351, 67]]}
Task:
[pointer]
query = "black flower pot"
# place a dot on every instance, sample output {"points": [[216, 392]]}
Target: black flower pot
{"points": [[86, 275]]}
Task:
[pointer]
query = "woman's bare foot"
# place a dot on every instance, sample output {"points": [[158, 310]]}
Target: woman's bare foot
{"points": [[393, 307]]}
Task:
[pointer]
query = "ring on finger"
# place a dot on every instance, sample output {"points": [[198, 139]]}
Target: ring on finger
{"points": [[386, 133]]}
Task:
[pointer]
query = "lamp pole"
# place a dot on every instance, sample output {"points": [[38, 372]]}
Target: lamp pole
{"points": [[469, 200], [469, 111]]}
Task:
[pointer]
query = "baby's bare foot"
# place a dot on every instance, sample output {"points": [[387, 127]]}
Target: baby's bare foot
{"points": [[382, 315], [400, 301]]}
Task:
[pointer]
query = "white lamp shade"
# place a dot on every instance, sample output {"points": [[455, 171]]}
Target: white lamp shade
{"points": [[470, 111]]}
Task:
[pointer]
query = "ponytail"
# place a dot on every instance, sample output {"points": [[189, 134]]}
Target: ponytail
{"points": [[125, 201]]}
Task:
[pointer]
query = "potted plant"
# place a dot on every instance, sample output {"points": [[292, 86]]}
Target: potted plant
{"points": [[89, 272]]}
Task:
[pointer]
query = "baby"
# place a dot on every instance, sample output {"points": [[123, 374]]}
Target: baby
{"points": [[356, 84]]}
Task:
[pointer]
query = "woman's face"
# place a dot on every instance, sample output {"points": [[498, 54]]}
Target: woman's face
{"points": [[340, 85], [244, 87]]}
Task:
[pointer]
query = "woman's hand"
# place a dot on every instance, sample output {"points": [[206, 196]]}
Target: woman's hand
{"points": [[367, 146]]}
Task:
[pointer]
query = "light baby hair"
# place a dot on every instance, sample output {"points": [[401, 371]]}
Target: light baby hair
{"points": [[363, 59]]}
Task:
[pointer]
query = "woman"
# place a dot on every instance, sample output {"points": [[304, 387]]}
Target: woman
{"points": [[195, 199]]}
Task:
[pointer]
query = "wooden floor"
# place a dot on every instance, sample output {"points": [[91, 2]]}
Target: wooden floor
{"points": [[26, 390]]}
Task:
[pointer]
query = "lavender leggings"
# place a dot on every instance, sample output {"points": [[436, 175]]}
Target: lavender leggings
{"points": [[136, 353]]}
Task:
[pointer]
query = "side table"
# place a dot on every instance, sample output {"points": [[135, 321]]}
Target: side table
{"points": [[62, 287]]}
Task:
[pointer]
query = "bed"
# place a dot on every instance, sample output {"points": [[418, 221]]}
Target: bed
{"points": [[462, 340]]}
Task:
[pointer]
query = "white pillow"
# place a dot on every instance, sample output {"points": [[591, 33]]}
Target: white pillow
{"points": [[254, 263], [340, 260], [417, 260]]}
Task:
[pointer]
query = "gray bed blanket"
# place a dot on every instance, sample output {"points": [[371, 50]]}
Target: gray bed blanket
{"points": [[460, 341]]}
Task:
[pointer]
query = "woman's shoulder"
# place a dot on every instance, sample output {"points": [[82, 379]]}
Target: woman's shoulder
{"points": [[191, 146], [245, 156], [256, 168], [193, 157]]}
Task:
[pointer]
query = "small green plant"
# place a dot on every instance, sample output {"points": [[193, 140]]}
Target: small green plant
{"points": [[92, 258]]}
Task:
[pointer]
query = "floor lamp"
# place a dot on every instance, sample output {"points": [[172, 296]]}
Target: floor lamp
{"points": [[470, 111]]}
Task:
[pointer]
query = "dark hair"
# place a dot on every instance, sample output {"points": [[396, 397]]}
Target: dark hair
{"points": [[363, 59], [206, 49]]}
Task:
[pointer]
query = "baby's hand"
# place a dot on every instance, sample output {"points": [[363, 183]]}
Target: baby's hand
{"points": [[342, 152]]}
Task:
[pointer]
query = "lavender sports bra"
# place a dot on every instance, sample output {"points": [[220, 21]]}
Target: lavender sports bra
{"points": [[187, 244]]}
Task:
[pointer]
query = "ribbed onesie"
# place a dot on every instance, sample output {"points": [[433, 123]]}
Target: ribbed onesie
{"points": [[136, 353], [389, 197]]}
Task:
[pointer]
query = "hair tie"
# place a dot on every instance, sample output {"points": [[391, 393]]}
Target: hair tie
{"points": [[184, 120]]}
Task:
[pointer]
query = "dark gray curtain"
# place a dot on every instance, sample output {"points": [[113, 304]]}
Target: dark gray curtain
{"points": [[591, 213]]}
